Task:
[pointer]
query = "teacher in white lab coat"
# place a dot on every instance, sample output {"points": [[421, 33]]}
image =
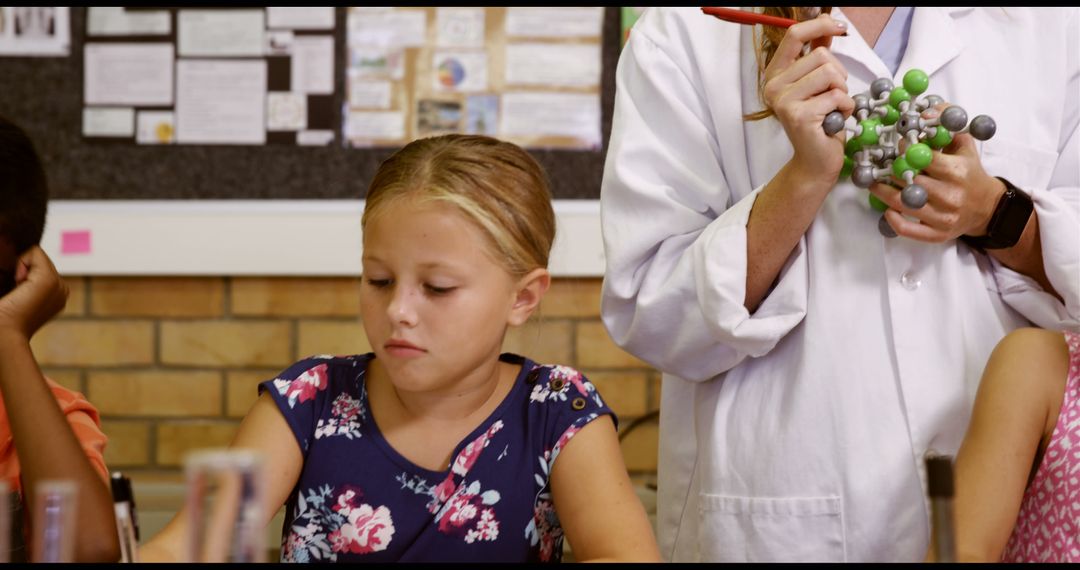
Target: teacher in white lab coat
{"points": [[809, 362]]}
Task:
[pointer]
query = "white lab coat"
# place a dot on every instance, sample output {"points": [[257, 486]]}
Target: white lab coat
{"points": [[799, 432]]}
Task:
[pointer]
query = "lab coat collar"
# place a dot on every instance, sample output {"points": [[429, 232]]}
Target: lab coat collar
{"points": [[933, 42]]}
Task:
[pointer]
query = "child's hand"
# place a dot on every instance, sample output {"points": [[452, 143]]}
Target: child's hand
{"points": [[39, 294]]}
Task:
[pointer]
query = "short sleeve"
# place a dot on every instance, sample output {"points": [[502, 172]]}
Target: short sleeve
{"points": [[85, 423], [566, 401], [301, 392]]}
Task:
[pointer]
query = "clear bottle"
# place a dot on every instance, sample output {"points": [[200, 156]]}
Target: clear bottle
{"points": [[224, 502], [54, 521]]}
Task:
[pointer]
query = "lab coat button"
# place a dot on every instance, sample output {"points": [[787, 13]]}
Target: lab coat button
{"points": [[909, 281]]}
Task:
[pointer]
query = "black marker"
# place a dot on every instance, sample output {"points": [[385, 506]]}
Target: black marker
{"points": [[127, 525]]}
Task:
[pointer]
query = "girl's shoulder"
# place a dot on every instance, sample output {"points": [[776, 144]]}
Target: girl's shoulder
{"points": [[324, 362], [308, 378], [562, 394], [1043, 345]]}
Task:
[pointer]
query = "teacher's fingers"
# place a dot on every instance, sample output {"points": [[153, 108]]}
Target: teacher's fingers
{"points": [[804, 65], [798, 35]]}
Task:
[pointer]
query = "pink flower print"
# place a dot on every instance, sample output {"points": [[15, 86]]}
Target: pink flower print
{"points": [[565, 437], [345, 407], [293, 543], [486, 529], [347, 499], [572, 376], [442, 492], [368, 530], [546, 531], [459, 511], [338, 541], [467, 458], [304, 387], [547, 545]]}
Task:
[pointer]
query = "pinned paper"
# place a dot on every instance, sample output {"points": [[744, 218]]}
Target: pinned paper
{"points": [[155, 127], [74, 242]]}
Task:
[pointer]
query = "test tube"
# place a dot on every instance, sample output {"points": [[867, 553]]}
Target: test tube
{"points": [[224, 499], [54, 521]]}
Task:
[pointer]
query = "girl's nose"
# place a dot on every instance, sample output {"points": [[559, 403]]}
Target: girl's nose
{"points": [[402, 307]]}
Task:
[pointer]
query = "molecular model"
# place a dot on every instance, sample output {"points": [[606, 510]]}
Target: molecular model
{"points": [[890, 137]]}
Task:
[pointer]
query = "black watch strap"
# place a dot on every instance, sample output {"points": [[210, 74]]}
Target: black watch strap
{"points": [[1008, 221]]}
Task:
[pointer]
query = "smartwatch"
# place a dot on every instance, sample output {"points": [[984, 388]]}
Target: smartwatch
{"points": [[1008, 221]]}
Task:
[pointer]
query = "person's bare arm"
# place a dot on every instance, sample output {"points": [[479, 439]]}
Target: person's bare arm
{"points": [[44, 442], [264, 430], [1015, 413], [801, 91], [601, 515]]}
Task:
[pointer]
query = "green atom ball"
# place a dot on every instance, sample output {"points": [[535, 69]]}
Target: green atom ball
{"points": [[916, 81], [897, 96], [852, 146], [869, 135], [919, 156], [899, 166], [849, 165], [941, 139], [891, 115], [877, 204]]}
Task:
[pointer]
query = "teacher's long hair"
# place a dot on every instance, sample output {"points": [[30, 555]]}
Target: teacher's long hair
{"points": [[766, 40]]}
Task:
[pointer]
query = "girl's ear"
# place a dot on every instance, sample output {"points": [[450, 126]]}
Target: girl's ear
{"points": [[530, 289]]}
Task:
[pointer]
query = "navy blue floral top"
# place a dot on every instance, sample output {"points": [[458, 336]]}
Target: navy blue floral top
{"points": [[358, 500]]}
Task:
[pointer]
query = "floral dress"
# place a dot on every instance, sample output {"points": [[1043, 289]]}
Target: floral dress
{"points": [[359, 500]]}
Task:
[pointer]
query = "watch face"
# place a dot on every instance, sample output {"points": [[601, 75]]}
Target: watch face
{"points": [[1011, 218]]}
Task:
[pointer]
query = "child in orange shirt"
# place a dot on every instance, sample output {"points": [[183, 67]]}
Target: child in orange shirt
{"points": [[52, 432]]}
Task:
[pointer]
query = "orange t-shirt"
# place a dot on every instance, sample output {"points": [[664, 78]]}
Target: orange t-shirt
{"points": [[85, 423]]}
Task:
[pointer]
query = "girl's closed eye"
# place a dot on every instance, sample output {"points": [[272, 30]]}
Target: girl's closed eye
{"points": [[377, 283], [436, 290]]}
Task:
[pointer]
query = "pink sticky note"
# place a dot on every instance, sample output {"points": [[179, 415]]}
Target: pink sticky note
{"points": [[75, 241]]}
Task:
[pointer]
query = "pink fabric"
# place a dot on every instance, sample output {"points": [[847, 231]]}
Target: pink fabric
{"points": [[1047, 526]]}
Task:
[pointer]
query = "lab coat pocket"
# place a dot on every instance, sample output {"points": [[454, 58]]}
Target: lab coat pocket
{"points": [[766, 529], [1027, 167]]}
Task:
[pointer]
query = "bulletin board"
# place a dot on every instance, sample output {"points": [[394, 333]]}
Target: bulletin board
{"points": [[528, 75], [45, 96], [235, 76]]}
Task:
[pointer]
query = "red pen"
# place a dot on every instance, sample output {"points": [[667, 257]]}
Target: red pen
{"points": [[751, 18], [834, 121]]}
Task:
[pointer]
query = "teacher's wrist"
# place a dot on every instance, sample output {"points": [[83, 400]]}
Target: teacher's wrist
{"points": [[987, 205], [802, 182]]}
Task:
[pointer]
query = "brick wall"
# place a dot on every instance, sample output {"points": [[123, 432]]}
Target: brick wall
{"points": [[172, 363]]}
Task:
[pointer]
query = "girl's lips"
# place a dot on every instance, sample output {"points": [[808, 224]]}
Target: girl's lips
{"points": [[403, 349]]}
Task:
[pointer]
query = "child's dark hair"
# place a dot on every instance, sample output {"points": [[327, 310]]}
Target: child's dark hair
{"points": [[24, 194]]}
